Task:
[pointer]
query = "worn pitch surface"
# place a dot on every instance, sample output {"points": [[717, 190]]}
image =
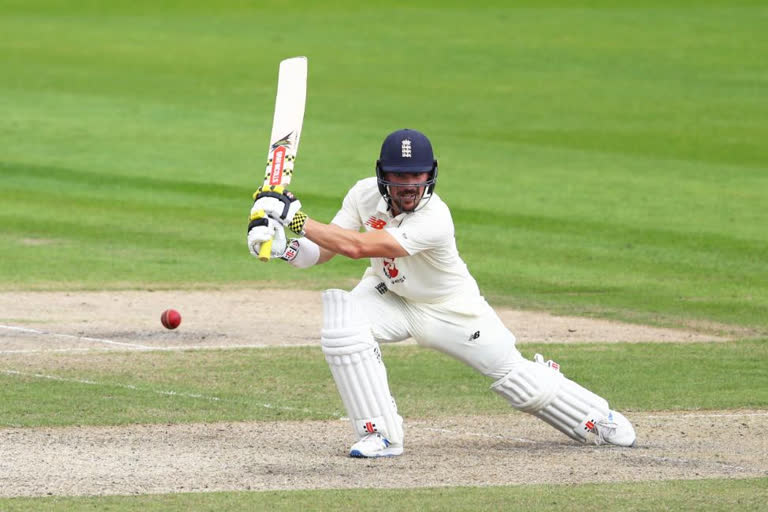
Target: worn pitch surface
{"points": [[462, 450]]}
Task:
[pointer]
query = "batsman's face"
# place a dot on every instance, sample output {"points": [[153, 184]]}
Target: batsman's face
{"points": [[406, 190]]}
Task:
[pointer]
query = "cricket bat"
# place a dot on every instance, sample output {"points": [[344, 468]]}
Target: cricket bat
{"points": [[286, 128]]}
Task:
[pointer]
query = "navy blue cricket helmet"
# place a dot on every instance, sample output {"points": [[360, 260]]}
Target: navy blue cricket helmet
{"points": [[406, 151]]}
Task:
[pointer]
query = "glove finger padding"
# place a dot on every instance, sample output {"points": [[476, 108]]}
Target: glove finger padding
{"points": [[279, 204], [279, 241], [259, 231], [262, 230], [271, 206]]}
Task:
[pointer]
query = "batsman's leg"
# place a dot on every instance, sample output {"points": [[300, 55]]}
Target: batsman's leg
{"points": [[361, 378], [539, 388], [482, 341]]}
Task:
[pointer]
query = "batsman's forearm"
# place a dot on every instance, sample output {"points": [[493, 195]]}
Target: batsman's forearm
{"points": [[333, 238], [325, 255], [353, 244]]}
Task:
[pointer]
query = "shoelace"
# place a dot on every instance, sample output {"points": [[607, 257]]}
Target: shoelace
{"points": [[604, 429], [376, 438]]}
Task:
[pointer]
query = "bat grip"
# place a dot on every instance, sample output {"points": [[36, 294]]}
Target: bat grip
{"points": [[266, 250]]}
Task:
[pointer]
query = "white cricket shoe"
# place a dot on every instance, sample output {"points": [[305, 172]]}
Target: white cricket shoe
{"points": [[614, 429], [375, 445]]}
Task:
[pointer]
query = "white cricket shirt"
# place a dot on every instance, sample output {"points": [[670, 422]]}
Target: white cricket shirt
{"points": [[433, 271]]}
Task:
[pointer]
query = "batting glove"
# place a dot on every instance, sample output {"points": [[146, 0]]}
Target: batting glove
{"points": [[281, 205], [262, 230]]}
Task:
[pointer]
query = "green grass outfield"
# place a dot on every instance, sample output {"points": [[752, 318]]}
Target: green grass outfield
{"points": [[604, 159], [600, 158], [726, 495], [294, 383]]}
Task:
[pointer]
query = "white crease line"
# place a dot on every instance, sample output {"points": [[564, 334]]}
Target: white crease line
{"points": [[131, 346], [71, 336], [683, 414], [94, 383], [144, 348], [64, 350], [156, 391]]}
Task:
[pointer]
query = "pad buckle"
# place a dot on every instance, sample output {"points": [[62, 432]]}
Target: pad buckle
{"points": [[538, 358]]}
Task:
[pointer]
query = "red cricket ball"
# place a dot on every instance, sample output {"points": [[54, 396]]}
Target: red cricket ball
{"points": [[170, 318]]}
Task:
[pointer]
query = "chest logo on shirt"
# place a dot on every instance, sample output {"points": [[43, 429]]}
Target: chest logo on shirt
{"points": [[390, 269], [376, 223]]}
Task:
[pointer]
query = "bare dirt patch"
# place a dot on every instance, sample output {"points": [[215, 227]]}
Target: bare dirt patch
{"points": [[513, 449], [501, 450], [124, 320]]}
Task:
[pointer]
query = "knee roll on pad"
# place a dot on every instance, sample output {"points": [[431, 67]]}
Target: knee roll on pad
{"points": [[357, 368], [546, 393]]}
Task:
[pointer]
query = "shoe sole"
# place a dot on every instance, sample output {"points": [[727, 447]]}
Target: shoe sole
{"points": [[384, 453]]}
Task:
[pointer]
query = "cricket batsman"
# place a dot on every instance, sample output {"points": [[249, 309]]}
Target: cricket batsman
{"points": [[416, 286]]}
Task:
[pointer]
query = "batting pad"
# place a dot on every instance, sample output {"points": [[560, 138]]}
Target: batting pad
{"points": [[355, 361], [546, 393]]}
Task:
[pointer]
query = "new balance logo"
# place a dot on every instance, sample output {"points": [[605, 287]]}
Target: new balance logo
{"points": [[376, 223], [381, 288]]}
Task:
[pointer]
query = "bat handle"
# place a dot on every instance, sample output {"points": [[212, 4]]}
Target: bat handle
{"points": [[266, 250]]}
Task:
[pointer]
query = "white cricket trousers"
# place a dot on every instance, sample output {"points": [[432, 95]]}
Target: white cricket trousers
{"points": [[467, 329]]}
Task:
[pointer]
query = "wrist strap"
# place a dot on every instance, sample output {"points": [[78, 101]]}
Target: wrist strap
{"points": [[297, 223]]}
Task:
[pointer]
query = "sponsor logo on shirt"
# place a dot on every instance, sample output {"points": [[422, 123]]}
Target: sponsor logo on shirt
{"points": [[376, 223], [391, 271]]}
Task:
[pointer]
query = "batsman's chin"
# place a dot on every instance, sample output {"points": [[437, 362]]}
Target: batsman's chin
{"points": [[408, 204]]}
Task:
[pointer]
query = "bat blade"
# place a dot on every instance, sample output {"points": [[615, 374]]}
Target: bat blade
{"points": [[289, 118], [286, 128]]}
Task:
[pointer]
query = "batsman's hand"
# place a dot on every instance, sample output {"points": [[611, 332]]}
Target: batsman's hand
{"points": [[281, 205], [262, 230]]}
